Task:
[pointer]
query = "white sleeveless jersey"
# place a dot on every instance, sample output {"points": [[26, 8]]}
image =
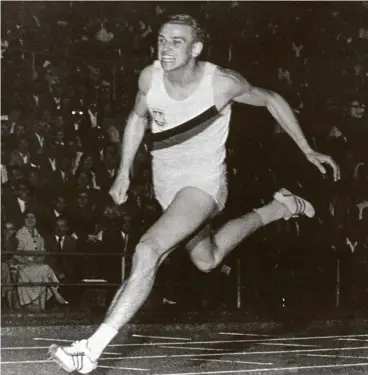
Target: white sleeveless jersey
{"points": [[189, 137]]}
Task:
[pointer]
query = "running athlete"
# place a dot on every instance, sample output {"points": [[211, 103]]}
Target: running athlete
{"points": [[189, 103]]}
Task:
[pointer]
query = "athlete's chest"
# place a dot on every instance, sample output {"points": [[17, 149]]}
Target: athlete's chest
{"points": [[167, 113]]}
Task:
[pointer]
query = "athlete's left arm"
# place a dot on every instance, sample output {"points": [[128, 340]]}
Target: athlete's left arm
{"points": [[236, 88]]}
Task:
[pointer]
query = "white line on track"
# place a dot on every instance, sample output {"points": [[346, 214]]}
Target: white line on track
{"points": [[336, 356], [47, 339], [216, 341], [285, 344], [25, 362], [361, 340], [242, 353], [111, 353], [125, 368], [242, 334], [160, 337], [276, 369], [227, 361], [191, 348]]}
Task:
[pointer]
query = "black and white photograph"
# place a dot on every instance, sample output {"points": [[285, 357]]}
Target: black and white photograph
{"points": [[184, 187]]}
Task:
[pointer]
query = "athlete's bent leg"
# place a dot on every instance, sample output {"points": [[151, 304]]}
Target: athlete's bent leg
{"points": [[208, 249], [190, 209]]}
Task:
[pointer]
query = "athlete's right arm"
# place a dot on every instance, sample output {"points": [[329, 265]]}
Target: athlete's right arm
{"points": [[136, 125], [133, 135]]}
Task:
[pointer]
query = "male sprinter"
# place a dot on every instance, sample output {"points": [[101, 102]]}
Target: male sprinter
{"points": [[189, 102]]}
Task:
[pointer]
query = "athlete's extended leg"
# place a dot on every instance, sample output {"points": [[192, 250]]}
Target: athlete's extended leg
{"points": [[189, 210], [208, 249]]}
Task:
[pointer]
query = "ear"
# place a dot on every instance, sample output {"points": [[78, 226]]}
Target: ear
{"points": [[197, 49]]}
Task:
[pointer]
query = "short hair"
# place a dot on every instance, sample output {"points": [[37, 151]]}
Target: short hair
{"points": [[186, 19]]}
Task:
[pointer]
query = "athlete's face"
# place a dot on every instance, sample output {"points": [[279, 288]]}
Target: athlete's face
{"points": [[177, 46]]}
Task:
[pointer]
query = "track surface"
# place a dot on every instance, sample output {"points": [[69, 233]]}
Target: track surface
{"points": [[192, 351]]}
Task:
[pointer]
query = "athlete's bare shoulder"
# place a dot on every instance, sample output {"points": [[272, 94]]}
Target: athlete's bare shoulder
{"points": [[145, 79], [230, 82], [231, 86]]}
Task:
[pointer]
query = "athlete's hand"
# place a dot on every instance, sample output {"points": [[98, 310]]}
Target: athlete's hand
{"points": [[319, 159], [119, 189]]}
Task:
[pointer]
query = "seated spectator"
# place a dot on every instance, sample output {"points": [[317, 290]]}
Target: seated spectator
{"points": [[33, 268], [62, 179], [56, 102], [37, 139], [82, 216], [74, 151], [84, 180], [8, 244], [38, 186], [59, 140], [18, 131], [86, 165], [47, 161], [18, 202], [108, 172], [116, 237], [21, 156], [50, 214], [60, 239]]}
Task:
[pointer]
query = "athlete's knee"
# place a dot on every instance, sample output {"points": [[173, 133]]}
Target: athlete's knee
{"points": [[205, 266], [147, 255]]}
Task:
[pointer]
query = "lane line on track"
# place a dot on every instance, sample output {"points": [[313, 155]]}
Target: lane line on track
{"points": [[160, 337], [285, 344], [276, 369], [336, 356], [49, 339], [191, 348], [125, 368], [228, 361], [243, 334], [243, 353], [223, 341]]}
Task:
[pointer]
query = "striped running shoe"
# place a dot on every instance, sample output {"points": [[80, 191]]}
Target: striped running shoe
{"points": [[296, 205], [75, 357]]}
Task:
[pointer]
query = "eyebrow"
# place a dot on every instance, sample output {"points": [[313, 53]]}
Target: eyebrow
{"points": [[174, 37]]}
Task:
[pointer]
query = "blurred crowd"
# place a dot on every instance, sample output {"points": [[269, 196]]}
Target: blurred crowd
{"points": [[68, 82]]}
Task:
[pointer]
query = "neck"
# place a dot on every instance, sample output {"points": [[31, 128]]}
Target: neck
{"points": [[184, 75]]}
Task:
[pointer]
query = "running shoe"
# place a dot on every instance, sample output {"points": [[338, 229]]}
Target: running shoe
{"points": [[76, 357], [296, 205]]}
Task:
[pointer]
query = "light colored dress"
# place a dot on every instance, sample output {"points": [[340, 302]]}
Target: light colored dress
{"points": [[33, 272]]}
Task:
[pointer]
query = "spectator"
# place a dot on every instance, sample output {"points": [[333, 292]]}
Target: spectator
{"points": [[48, 161], [8, 244], [33, 268], [50, 214], [116, 237], [83, 217], [62, 179], [18, 202], [36, 140], [86, 165], [68, 267], [108, 172], [20, 156], [16, 132], [59, 140]]}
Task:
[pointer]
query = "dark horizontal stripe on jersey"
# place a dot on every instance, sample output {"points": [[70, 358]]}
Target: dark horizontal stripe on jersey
{"points": [[195, 121], [185, 131]]}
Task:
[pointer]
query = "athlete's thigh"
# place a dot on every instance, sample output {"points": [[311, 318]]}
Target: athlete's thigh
{"points": [[185, 215]]}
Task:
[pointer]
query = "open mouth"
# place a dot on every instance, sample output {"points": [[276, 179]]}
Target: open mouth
{"points": [[167, 59]]}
